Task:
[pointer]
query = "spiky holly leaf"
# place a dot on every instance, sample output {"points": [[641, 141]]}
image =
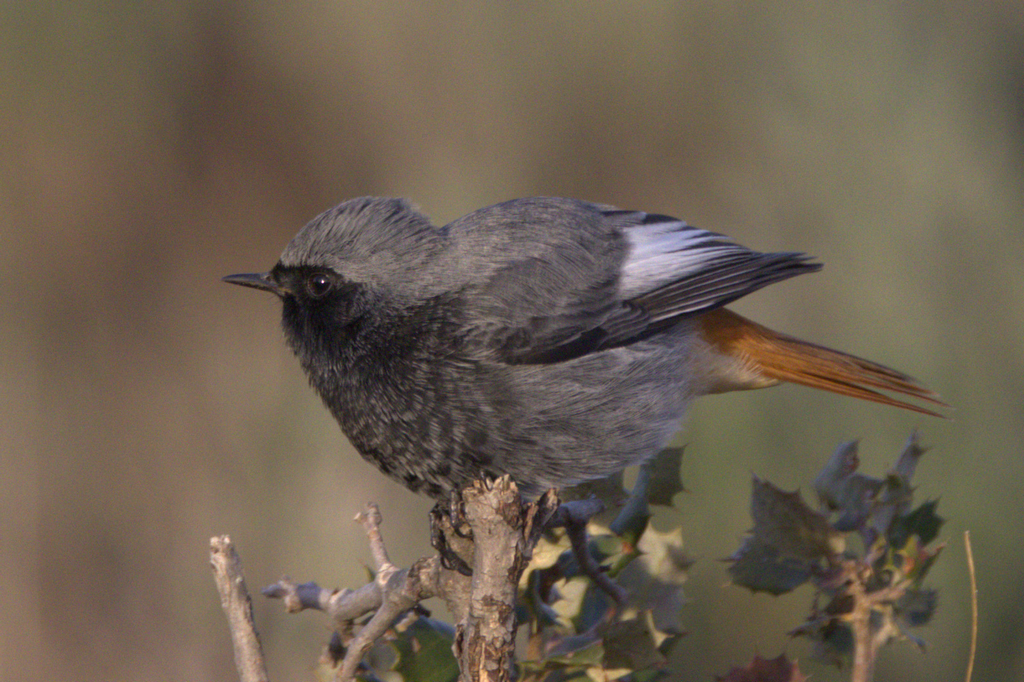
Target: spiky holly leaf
{"points": [[906, 464], [628, 644], [649, 675], [894, 499], [833, 644], [857, 502], [760, 669], [916, 607], [424, 651], [922, 522], [593, 608], [829, 482], [842, 489], [664, 473], [607, 548], [655, 579], [761, 568], [574, 651], [925, 560], [783, 521], [832, 638]]}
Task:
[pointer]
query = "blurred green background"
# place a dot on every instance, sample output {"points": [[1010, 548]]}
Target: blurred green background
{"points": [[150, 148]]}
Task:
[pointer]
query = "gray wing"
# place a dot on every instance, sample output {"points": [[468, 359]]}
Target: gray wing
{"points": [[565, 278]]}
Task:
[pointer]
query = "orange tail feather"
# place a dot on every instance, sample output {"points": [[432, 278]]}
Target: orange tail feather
{"points": [[771, 357]]}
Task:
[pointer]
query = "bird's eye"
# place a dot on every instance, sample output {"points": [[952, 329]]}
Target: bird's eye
{"points": [[319, 284]]}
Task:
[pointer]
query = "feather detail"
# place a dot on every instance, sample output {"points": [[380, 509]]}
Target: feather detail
{"points": [[674, 269]]}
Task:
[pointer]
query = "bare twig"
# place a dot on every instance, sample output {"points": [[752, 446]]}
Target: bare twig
{"points": [[234, 599], [974, 606], [344, 606], [401, 590], [392, 592], [371, 520]]}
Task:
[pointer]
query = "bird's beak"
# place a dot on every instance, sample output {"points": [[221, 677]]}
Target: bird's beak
{"points": [[256, 280]]}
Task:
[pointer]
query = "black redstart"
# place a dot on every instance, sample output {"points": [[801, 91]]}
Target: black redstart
{"points": [[550, 339]]}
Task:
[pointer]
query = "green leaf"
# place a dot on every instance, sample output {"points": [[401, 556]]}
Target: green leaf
{"points": [[583, 650], [832, 638], [893, 501], [593, 609], [857, 501], [925, 560], [922, 522], [833, 644], [604, 546], [424, 651], [649, 675], [608, 550]]}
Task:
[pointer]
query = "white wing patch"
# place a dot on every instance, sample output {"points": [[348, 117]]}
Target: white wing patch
{"points": [[665, 251]]}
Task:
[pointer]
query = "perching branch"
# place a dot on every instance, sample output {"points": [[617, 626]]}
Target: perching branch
{"points": [[504, 532], [492, 535]]}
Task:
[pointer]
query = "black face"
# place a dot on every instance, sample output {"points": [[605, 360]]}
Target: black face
{"points": [[322, 310], [312, 283]]}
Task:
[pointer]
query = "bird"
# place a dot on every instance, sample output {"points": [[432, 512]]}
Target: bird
{"points": [[554, 340]]}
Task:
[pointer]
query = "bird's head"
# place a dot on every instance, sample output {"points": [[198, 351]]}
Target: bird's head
{"points": [[346, 268]]}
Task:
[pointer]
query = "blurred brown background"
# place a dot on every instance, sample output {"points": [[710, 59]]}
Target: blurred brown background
{"points": [[150, 148]]}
